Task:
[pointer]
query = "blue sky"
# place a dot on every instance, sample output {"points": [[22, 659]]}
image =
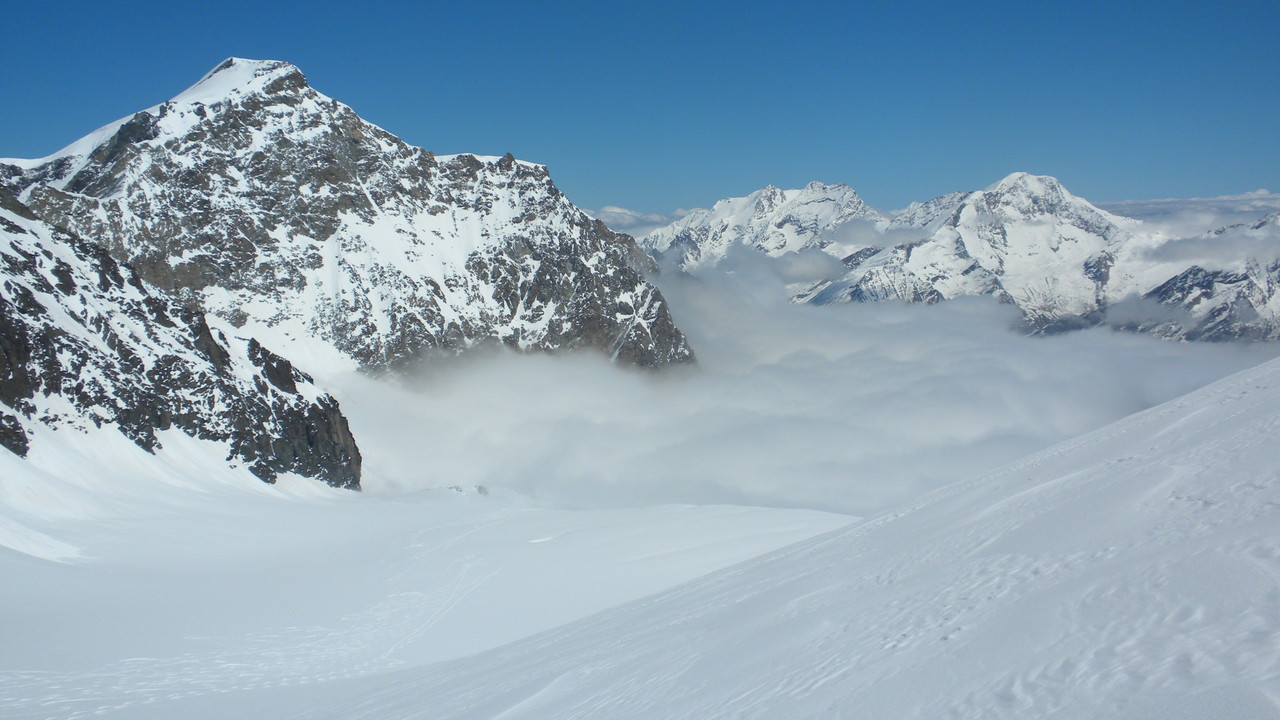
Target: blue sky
{"points": [[660, 105]]}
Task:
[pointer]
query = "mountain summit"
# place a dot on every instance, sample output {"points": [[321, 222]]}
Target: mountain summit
{"points": [[1025, 239], [771, 220], [275, 207]]}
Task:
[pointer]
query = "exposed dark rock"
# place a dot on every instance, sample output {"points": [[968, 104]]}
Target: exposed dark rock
{"points": [[275, 205], [79, 327]]}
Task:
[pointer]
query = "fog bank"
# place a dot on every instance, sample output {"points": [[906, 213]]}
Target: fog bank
{"points": [[852, 408]]}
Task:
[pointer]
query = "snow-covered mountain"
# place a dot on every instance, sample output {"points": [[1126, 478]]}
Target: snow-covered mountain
{"points": [[1028, 241], [1025, 239], [1232, 290], [85, 343], [770, 220], [277, 208]]}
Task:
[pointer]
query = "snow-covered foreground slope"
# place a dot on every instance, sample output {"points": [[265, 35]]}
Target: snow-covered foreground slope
{"points": [[1131, 573], [133, 582]]}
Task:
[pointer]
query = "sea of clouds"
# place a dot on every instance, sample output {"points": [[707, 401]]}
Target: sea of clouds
{"points": [[852, 408], [1191, 217]]}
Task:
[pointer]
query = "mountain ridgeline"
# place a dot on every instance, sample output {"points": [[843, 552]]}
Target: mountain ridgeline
{"points": [[156, 272], [1025, 240], [258, 199]]}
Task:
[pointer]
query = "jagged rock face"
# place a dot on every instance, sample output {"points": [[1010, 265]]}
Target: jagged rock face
{"points": [[269, 204], [929, 214], [1221, 304], [83, 340], [770, 220], [1238, 300]]}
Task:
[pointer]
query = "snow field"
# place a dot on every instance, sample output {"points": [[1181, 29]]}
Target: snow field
{"points": [[135, 580], [1131, 573]]}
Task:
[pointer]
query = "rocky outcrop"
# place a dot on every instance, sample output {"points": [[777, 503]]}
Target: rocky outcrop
{"points": [[1219, 305], [84, 341], [258, 199]]}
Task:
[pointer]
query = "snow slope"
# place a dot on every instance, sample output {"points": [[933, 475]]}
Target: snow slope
{"points": [[1131, 573], [135, 581]]}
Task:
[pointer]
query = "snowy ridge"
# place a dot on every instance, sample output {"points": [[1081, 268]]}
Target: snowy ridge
{"points": [[1131, 573], [1027, 240], [1231, 289], [86, 344], [771, 220], [281, 211]]}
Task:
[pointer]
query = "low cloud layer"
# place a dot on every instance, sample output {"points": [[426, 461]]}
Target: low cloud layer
{"points": [[1189, 217], [852, 408], [1227, 248], [863, 233], [633, 222]]}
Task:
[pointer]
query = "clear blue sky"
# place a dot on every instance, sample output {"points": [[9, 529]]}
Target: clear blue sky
{"points": [[659, 105]]}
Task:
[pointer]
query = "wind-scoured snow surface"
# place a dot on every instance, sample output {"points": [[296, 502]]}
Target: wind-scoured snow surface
{"points": [[1130, 573]]}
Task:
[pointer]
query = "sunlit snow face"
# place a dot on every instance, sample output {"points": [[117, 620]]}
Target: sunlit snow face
{"points": [[852, 407]]}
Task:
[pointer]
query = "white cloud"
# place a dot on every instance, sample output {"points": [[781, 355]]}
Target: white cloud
{"points": [[633, 222], [857, 234], [845, 407], [1225, 251], [1189, 217]]}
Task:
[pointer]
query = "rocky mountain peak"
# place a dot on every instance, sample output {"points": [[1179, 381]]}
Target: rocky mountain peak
{"points": [[238, 77], [1028, 194], [768, 198], [256, 197], [1026, 183]]}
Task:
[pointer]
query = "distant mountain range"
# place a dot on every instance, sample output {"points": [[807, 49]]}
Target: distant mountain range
{"points": [[1026, 240]]}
